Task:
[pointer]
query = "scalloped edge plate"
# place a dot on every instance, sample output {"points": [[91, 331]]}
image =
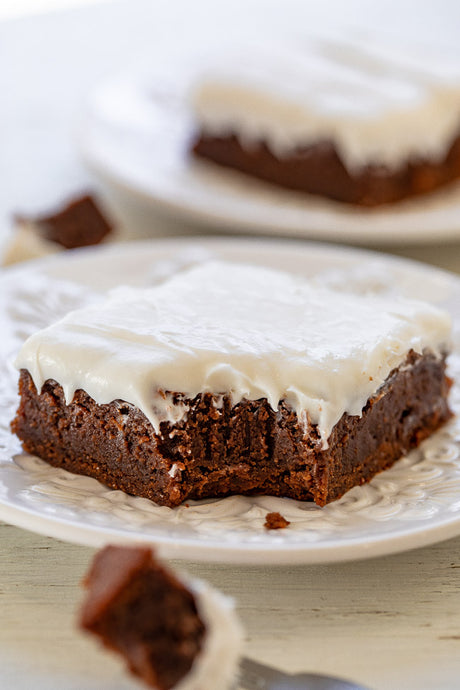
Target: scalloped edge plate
{"points": [[415, 503]]}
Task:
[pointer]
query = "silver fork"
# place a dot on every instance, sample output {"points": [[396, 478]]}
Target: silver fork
{"points": [[255, 676]]}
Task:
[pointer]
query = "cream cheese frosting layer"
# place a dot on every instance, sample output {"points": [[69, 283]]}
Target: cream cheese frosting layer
{"points": [[216, 665], [376, 103], [227, 328]]}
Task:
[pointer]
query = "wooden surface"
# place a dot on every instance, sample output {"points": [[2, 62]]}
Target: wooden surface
{"points": [[391, 623]]}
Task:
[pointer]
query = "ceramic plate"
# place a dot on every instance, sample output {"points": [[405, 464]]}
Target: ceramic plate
{"points": [[136, 134], [417, 502]]}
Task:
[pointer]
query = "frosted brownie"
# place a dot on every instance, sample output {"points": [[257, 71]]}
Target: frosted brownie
{"points": [[230, 379], [357, 123], [171, 630]]}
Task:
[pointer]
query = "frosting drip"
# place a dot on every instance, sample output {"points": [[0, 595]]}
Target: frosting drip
{"points": [[377, 104], [247, 331]]}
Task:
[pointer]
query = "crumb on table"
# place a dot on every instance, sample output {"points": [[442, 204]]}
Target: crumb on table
{"points": [[78, 223]]}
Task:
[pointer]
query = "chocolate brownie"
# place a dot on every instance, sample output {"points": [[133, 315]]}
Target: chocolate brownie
{"points": [[247, 448], [229, 378], [319, 169], [170, 629], [361, 121], [140, 609], [80, 223]]}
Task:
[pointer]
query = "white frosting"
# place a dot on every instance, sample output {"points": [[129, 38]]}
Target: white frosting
{"points": [[216, 665], [249, 331], [378, 104]]}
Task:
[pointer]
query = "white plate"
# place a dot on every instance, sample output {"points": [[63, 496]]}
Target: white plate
{"points": [[136, 134], [417, 502]]}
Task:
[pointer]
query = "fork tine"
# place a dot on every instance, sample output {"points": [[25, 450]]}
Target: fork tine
{"points": [[255, 676]]}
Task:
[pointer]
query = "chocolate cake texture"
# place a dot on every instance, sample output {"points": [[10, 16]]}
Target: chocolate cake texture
{"points": [[319, 169], [221, 450]]}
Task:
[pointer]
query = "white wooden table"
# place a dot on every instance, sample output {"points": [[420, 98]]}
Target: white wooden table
{"points": [[391, 623]]}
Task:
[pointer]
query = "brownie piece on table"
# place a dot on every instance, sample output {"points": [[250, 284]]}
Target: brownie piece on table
{"points": [[79, 223]]}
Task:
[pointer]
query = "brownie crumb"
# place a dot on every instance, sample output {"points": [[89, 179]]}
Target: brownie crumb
{"points": [[275, 521], [80, 223]]}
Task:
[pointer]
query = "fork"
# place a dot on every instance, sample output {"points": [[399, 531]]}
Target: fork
{"points": [[255, 676]]}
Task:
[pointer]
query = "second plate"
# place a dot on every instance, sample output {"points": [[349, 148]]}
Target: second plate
{"points": [[136, 133]]}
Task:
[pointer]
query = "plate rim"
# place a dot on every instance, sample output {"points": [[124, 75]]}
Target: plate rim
{"points": [[247, 554], [131, 245]]}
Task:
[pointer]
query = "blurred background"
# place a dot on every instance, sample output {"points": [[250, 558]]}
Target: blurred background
{"points": [[21, 8], [55, 52]]}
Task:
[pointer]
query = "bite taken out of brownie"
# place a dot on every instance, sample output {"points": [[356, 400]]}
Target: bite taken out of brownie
{"points": [[246, 449]]}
